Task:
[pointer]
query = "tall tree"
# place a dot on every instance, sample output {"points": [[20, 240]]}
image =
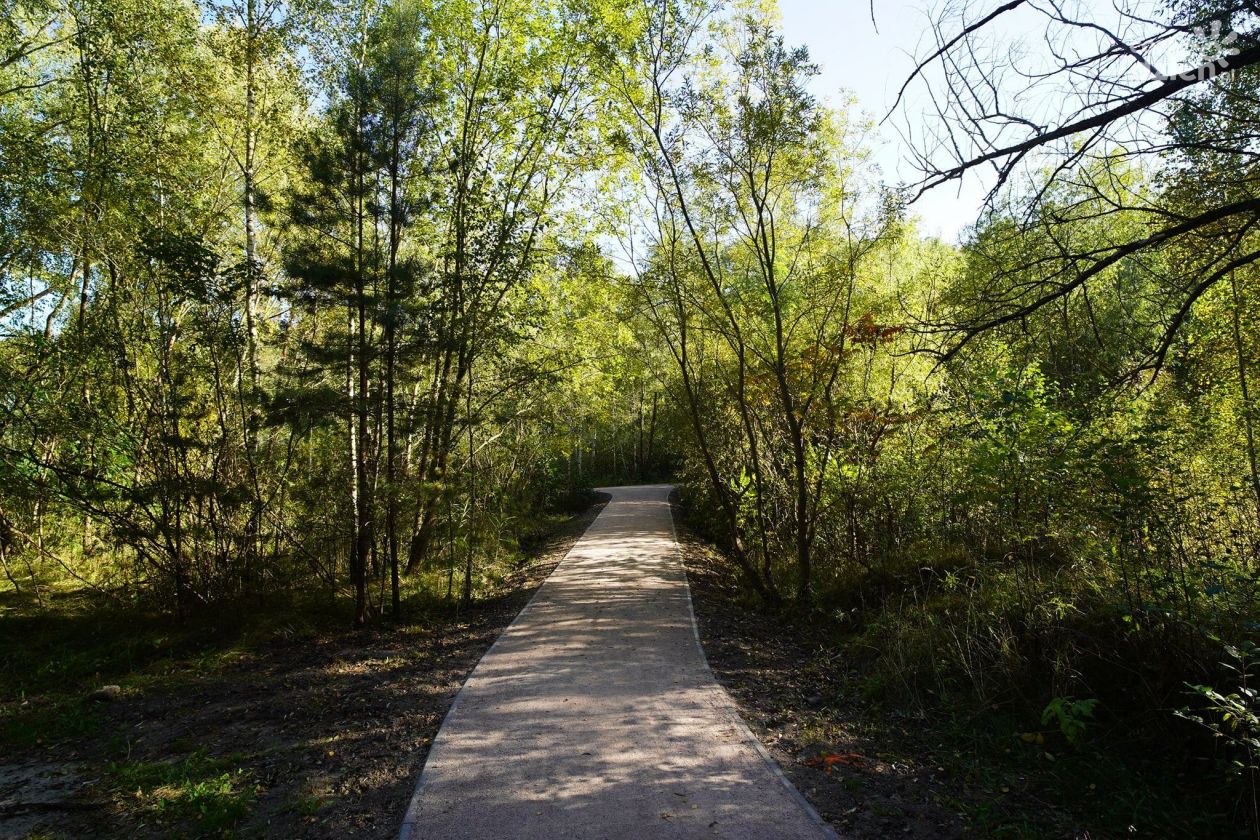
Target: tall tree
{"points": [[511, 115], [750, 182], [337, 264]]}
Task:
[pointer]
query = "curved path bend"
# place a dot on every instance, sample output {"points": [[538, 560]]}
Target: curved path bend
{"points": [[595, 715]]}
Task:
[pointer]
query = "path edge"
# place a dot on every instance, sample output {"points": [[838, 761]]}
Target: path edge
{"points": [[411, 817], [773, 765]]}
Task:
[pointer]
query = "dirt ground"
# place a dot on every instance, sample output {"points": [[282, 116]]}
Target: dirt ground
{"points": [[307, 737], [792, 696], [324, 735]]}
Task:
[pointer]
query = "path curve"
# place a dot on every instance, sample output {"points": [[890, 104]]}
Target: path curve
{"points": [[595, 714]]}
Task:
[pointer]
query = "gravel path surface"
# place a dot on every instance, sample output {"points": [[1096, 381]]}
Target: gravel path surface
{"points": [[595, 714]]}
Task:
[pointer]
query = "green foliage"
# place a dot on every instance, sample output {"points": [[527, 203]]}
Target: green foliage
{"points": [[1072, 716], [230, 228], [200, 790], [1233, 715], [334, 295]]}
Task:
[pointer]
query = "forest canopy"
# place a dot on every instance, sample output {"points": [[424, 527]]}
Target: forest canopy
{"points": [[346, 295]]}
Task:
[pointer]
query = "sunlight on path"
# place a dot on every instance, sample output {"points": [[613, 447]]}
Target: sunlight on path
{"points": [[596, 716]]}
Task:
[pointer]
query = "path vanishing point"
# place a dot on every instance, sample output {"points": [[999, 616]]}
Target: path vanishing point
{"points": [[595, 714]]}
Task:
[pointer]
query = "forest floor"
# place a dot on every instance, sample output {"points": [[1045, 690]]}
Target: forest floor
{"points": [[874, 772], [284, 723], [786, 690], [313, 732], [870, 772]]}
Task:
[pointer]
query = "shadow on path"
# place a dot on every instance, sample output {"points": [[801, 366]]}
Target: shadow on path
{"points": [[595, 715]]}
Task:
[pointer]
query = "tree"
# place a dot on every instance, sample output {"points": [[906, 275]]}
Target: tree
{"points": [[760, 229], [396, 77], [337, 263], [511, 116], [1124, 114]]}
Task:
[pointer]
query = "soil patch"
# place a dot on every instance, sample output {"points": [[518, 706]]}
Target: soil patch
{"points": [[322, 736], [792, 694]]}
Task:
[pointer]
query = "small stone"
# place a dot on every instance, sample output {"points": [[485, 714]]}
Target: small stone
{"points": [[105, 694]]}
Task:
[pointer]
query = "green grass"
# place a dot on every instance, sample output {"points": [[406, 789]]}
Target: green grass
{"points": [[61, 719], [199, 792], [306, 805], [53, 653], [52, 657]]}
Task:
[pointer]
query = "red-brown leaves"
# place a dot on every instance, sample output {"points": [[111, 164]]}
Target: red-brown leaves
{"points": [[866, 331]]}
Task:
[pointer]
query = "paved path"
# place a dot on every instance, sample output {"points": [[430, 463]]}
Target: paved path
{"points": [[595, 714]]}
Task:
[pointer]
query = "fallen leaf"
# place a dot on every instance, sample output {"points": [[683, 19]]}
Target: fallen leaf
{"points": [[830, 760]]}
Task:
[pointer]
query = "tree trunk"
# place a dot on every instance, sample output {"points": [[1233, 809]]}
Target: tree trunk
{"points": [[651, 438], [472, 495], [1245, 391], [391, 355], [365, 536]]}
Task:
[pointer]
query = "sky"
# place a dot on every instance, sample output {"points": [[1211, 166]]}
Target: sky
{"points": [[872, 65], [871, 60]]}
